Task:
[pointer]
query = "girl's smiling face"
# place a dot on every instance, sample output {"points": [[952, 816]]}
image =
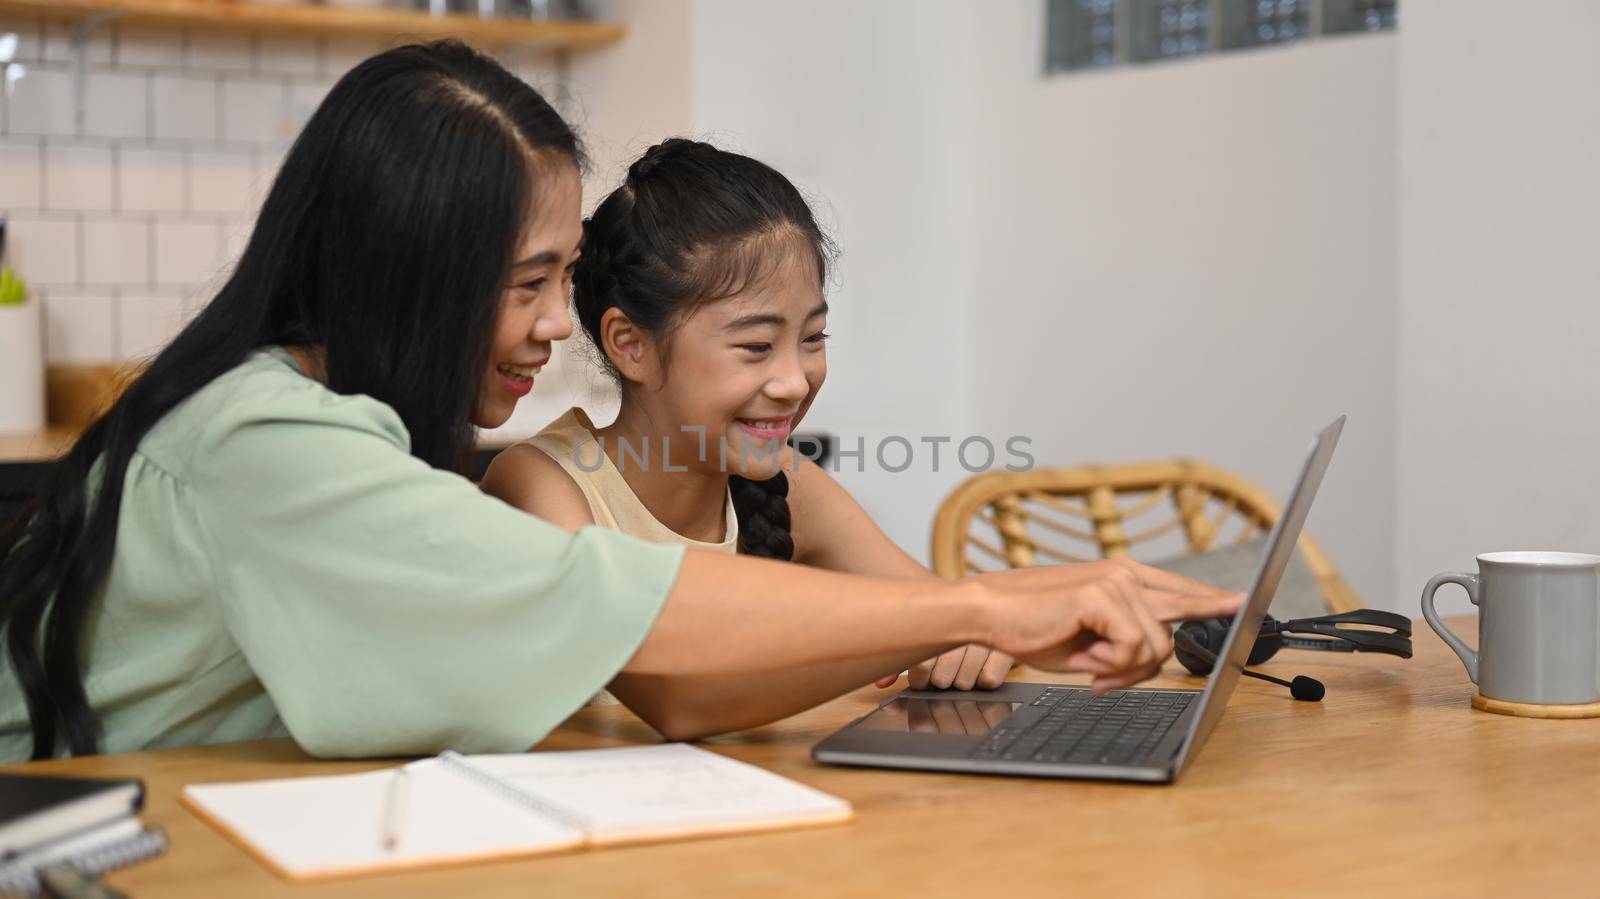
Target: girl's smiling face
{"points": [[745, 369]]}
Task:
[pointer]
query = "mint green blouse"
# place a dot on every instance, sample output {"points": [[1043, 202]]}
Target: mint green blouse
{"points": [[285, 566]]}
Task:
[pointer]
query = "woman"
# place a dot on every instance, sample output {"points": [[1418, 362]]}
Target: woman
{"points": [[266, 534]]}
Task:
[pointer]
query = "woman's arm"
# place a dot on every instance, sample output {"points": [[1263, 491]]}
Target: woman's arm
{"points": [[832, 531], [743, 621]]}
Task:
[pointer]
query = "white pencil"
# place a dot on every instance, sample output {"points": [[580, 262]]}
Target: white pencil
{"points": [[397, 809]]}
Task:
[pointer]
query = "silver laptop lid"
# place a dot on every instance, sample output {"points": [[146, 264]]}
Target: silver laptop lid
{"points": [[1247, 621]]}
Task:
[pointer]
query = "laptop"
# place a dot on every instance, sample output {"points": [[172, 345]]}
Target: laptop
{"points": [[1050, 730]]}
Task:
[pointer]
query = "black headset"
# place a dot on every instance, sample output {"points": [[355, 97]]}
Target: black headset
{"points": [[1197, 642]]}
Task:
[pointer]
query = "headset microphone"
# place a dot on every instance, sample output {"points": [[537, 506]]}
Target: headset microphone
{"points": [[1305, 689]]}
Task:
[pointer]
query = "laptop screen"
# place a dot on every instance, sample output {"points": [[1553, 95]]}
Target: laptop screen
{"points": [[1247, 621]]}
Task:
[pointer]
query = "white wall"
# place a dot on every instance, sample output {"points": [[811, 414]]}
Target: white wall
{"points": [[625, 97], [864, 106], [1499, 442], [1195, 258]]}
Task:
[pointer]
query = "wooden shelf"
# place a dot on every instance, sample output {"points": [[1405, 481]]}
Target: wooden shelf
{"points": [[330, 21], [40, 446]]}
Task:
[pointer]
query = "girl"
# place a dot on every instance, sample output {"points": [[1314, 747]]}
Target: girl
{"points": [[701, 283], [267, 534]]}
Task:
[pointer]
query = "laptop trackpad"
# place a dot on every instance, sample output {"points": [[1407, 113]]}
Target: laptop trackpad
{"points": [[956, 717]]}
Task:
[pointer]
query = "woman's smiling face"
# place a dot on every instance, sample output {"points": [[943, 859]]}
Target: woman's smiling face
{"points": [[746, 369], [534, 306]]}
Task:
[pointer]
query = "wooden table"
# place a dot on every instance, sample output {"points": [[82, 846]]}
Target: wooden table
{"points": [[1393, 785]]}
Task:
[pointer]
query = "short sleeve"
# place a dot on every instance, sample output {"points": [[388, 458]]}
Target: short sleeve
{"points": [[392, 608]]}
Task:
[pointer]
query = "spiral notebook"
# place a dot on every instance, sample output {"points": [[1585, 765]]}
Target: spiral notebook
{"points": [[478, 808], [93, 852]]}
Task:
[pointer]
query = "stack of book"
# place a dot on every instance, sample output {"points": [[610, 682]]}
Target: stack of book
{"points": [[92, 825]]}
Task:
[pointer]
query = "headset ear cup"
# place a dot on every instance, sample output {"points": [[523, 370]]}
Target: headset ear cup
{"points": [[1208, 636], [1195, 664], [1266, 647]]}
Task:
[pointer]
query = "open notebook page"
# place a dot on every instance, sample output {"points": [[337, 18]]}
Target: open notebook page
{"points": [[310, 827], [660, 792]]}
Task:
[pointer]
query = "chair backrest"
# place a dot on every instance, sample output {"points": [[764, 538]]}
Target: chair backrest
{"points": [[1016, 519]]}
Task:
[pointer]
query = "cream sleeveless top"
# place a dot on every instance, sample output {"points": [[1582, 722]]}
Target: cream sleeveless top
{"points": [[571, 442]]}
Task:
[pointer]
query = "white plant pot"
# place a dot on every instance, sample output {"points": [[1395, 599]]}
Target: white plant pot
{"points": [[21, 368]]}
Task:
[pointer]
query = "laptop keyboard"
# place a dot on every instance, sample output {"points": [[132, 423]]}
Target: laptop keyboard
{"points": [[1119, 728]]}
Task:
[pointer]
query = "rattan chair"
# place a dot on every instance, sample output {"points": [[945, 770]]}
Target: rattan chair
{"points": [[1016, 519]]}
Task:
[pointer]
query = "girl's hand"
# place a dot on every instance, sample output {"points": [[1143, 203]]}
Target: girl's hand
{"points": [[962, 668]]}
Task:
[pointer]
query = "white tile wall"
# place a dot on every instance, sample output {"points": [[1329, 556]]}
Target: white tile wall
{"points": [[221, 181], [304, 98], [116, 105], [289, 54], [186, 252], [234, 238], [80, 329], [43, 249], [254, 111], [58, 46], [154, 47], [150, 179], [41, 103], [341, 54], [145, 322], [116, 252], [21, 171], [126, 224], [222, 52], [185, 107], [78, 177]]}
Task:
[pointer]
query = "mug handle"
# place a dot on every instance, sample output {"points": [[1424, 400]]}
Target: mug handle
{"points": [[1468, 581]]}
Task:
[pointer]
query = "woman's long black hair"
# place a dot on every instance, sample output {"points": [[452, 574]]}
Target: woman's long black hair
{"points": [[385, 241], [692, 224]]}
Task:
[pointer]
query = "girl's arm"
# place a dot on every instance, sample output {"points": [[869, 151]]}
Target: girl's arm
{"points": [[527, 478], [832, 531]]}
